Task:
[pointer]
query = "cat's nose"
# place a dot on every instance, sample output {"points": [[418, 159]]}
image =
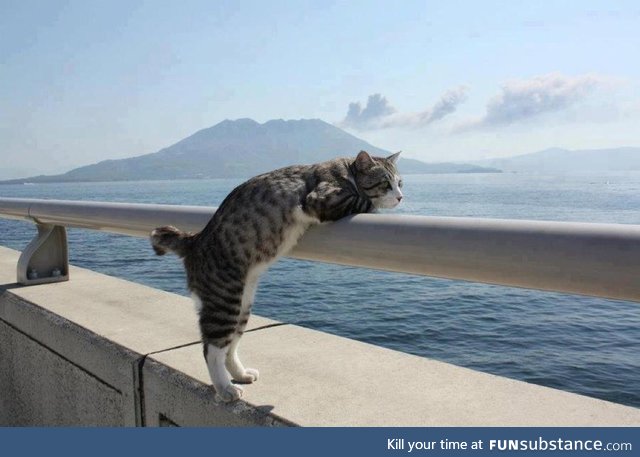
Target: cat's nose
{"points": [[399, 198]]}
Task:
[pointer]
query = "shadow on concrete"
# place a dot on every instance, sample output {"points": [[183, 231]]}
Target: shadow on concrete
{"points": [[12, 285], [266, 409]]}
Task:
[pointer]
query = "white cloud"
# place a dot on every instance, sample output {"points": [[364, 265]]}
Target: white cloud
{"points": [[377, 108], [379, 114], [527, 99]]}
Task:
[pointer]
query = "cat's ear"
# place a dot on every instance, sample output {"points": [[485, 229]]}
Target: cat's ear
{"points": [[364, 161], [393, 158]]}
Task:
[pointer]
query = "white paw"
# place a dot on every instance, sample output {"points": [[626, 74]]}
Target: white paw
{"points": [[250, 375], [229, 393]]}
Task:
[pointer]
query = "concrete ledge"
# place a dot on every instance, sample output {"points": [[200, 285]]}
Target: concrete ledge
{"points": [[129, 355], [316, 379], [103, 324], [175, 397]]}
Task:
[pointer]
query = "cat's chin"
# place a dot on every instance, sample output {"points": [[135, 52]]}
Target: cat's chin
{"points": [[377, 208]]}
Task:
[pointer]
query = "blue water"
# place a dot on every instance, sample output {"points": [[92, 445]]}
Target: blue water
{"points": [[580, 344]]}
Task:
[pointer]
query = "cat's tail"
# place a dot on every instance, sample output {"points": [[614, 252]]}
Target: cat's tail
{"points": [[170, 239]]}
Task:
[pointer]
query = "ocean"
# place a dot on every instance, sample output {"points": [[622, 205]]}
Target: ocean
{"points": [[580, 344]]}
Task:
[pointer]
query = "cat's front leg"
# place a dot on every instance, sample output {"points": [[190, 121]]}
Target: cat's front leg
{"points": [[329, 203], [237, 370]]}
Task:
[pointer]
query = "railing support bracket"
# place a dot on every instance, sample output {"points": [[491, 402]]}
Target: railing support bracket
{"points": [[46, 258]]}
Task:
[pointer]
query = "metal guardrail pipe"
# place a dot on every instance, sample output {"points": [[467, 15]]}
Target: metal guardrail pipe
{"points": [[592, 259], [133, 219]]}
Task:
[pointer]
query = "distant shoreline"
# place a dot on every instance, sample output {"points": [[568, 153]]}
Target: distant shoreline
{"points": [[18, 182]]}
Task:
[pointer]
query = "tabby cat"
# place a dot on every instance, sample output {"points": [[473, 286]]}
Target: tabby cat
{"points": [[257, 222]]}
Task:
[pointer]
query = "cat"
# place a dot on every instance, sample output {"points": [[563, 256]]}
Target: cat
{"points": [[259, 221]]}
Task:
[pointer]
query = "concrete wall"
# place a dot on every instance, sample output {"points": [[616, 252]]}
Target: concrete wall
{"points": [[102, 351], [32, 393]]}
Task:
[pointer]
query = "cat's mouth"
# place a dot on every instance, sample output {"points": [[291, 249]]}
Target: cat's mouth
{"points": [[387, 203]]}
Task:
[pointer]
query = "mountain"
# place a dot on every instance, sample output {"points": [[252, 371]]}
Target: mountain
{"points": [[241, 148], [9, 172], [413, 166], [558, 160]]}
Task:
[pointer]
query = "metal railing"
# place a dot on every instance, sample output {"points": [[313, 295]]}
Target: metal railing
{"points": [[585, 258]]}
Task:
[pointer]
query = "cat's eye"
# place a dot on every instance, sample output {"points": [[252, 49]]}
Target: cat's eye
{"points": [[400, 183], [388, 186]]}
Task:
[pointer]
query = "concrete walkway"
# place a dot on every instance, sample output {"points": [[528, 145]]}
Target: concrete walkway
{"points": [[98, 350]]}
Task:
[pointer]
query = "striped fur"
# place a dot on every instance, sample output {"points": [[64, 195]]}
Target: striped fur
{"points": [[259, 221]]}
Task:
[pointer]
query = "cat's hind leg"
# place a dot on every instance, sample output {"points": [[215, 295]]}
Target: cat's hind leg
{"points": [[219, 319], [238, 372], [215, 357]]}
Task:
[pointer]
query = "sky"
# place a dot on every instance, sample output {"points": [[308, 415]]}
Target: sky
{"points": [[85, 81]]}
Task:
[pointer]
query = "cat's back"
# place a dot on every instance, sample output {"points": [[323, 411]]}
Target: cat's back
{"points": [[277, 187], [285, 187]]}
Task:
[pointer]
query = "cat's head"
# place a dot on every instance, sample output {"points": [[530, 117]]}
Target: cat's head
{"points": [[378, 179]]}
